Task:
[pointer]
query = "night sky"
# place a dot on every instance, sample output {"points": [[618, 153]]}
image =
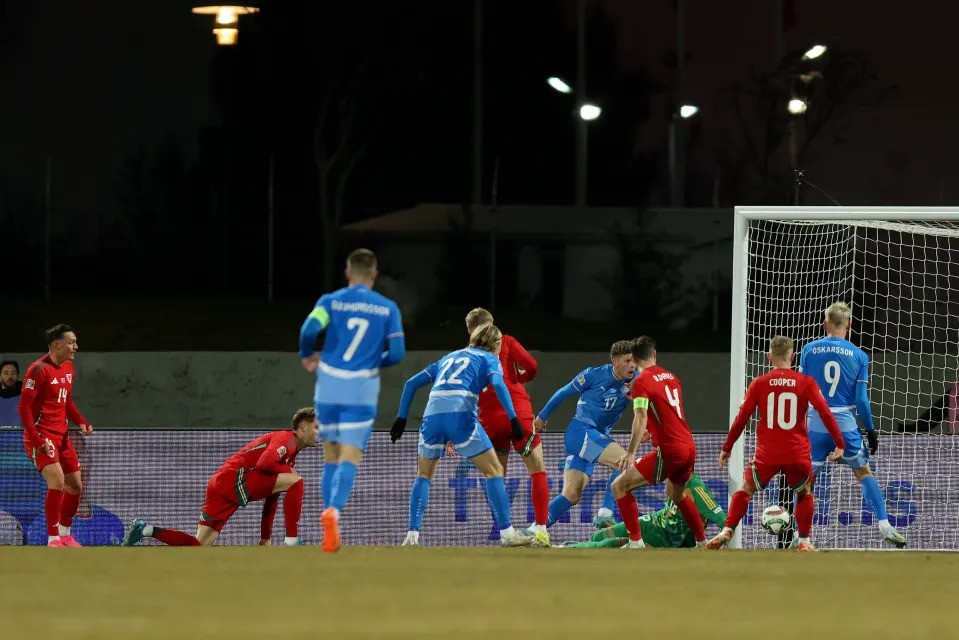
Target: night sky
{"points": [[91, 83]]}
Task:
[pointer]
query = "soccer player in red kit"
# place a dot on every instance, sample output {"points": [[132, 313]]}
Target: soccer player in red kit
{"points": [[261, 470], [783, 397], [659, 416], [519, 367], [46, 402]]}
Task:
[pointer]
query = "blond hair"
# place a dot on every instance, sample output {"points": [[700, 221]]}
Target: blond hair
{"points": [[477, 318], [486, 337], [781, 347], [306, 414], [838, 314]]}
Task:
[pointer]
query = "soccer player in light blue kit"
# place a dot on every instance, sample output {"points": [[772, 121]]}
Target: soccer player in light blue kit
{"points": [[842, 371], [604, 392], [364, 333], [451, 415]]}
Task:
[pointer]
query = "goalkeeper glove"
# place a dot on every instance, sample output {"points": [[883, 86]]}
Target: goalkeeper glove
{"points": [[397, 429], [516, 428], [873, 438]]}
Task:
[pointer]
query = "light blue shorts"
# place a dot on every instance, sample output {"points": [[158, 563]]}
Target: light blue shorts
{"points": [[854, 454], [584, 444], [462, 429], [346, 424]]}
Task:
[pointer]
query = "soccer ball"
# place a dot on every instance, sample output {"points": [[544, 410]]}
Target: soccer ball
{"points": [[775, 519]]}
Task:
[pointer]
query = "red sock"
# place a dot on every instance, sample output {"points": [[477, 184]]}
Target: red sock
{"points": [[269, 512], [52, 509], [687, 507], [805, 506], [175, 538], [629, 510], [292, 507], [737, 508], [68, 508], [539, 496]]}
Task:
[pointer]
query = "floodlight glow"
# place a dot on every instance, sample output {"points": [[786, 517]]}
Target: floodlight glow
{"points": [[797, 106], [590, 112], [814, 52], [559, 84], [688, 110]]}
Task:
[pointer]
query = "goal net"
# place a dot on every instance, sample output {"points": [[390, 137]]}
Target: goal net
{"points": [[898, 268]]}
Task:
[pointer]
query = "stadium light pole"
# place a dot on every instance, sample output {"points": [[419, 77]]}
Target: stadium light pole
{"points": [[226, 23], [677, 153]]}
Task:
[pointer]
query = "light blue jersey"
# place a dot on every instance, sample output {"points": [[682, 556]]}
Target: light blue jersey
{"points": [[602, 397], [359, 323], [452, 409], [838, 366]]}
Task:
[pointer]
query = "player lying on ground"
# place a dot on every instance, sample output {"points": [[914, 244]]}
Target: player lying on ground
{"points": [[666, 528], [842, 371], [519, 367], [46, 402], [364, 333], [450, 416], [261, 470], [603, 395], [782, 444], [658, 415]]}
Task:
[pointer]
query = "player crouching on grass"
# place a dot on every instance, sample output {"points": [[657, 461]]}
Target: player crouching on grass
{"points": [[782, 443], [261, 470]]}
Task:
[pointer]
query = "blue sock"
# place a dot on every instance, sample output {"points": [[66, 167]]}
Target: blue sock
{"points": [[557, 507], [419, 498], [609, 502], [873, 495], [342, 485], [329, 472], [489, 503], [499, 501]]}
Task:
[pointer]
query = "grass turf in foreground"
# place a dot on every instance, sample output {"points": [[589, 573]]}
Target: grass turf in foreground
{"points": [[366, 592]]}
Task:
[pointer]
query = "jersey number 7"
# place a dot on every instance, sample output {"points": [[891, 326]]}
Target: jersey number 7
{"points": [[360, 325]]}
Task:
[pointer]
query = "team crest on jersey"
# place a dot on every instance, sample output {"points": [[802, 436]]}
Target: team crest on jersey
{"points": [[70, 378], [581, 379], [29, 384], [625, 389], [281, 451]]}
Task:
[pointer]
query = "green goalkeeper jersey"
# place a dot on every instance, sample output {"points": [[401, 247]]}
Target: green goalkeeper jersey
{"points": [[664, 528]]}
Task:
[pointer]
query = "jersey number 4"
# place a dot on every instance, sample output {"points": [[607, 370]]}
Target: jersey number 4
{"points": [[781, 410], [360, 325]]}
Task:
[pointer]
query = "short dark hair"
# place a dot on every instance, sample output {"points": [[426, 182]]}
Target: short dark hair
{"points": [[306, 414], [361, 261], [16, 365], [643, 348], [619, 348], [56, 332]]}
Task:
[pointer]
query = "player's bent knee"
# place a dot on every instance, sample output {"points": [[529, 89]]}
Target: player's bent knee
{"points": [[286, 480], [862, 472], [206, 536]]}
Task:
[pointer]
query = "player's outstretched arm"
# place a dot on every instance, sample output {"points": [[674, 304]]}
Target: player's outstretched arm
{"points": [[567, 391], [746, 409], [639, 432], [412, 385]]}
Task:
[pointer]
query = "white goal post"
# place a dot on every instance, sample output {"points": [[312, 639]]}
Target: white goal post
{"points": [[898, 268]]}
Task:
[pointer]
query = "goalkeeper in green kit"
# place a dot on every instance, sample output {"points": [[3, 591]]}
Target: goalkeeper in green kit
{"points": [[665, 528]]}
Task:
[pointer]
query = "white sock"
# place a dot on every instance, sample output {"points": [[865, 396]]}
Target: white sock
{"points": [[603, 512], [288, 541], [148, 530], [539, 528], [507, 533], [64, 531], [805, 540], [636, 544], [415, 535], [883, 525], [52, 538]]}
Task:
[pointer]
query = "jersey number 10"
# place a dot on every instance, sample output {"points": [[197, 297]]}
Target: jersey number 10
{"points": [[783, 405]]}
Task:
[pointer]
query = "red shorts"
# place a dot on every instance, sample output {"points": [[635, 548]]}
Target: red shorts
{"points": [[230, 489], [501, 434], [675, 465], [759, 473], [63, 452]]}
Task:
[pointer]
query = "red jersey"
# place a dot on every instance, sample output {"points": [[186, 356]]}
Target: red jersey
{"points": [[46, 400], [783, 397], [518, 367], [273, 452], [661, 393]]}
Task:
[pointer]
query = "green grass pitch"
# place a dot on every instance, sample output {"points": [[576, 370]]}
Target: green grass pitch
{"points": [[369, 592]]}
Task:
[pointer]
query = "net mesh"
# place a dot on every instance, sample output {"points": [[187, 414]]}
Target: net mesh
{"points": [[901, 279]]}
